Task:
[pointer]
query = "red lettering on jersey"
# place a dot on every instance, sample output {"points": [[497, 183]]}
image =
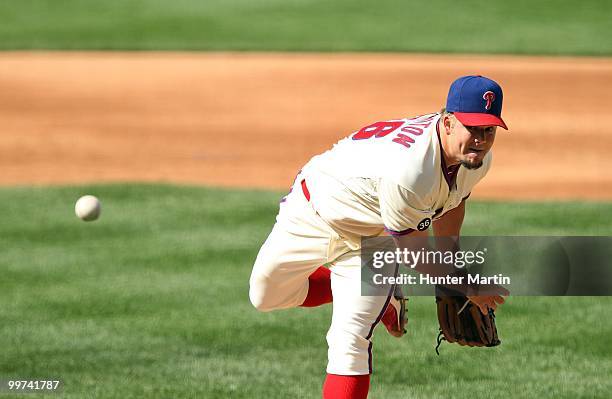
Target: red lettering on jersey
{"points": [[382, 129], [413, 129], [403, 140], [417, 131], [378, 129]]}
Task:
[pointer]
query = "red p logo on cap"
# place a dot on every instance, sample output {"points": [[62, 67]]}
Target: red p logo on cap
{"points": [[490, 97]]}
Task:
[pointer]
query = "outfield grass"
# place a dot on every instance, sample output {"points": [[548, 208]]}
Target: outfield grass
{"points": [[469, 26], [152, 301]]}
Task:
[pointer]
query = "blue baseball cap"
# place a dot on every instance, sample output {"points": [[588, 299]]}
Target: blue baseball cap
{"points": [[476, 101]]}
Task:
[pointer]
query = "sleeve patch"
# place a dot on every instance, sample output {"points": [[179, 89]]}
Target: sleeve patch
{"points": [[424, 224]]}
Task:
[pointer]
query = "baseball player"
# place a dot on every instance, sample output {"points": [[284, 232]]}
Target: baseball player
{"points": [[396, 177]]}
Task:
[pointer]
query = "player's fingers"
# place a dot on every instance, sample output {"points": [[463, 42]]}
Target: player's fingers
{"points": [[499, 299], [484, 303], [491, 303], [483, 308]]}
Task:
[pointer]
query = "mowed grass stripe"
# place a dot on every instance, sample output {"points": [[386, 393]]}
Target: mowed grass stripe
{"points": [[470, 26], [152, 301]]}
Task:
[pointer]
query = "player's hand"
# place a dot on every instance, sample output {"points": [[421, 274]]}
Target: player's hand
{"points": [[485, 303]]}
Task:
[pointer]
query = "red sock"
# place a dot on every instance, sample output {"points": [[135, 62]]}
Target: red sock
{"points": [[346, 386], [319, 288]]}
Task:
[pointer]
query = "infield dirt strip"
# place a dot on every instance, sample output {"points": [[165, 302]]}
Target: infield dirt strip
{"points": [[252, 119]]}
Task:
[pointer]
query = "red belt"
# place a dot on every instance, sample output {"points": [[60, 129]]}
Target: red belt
{"points": [[305, 190]]}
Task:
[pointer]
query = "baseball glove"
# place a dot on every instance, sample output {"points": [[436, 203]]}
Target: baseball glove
{"points": [[462, 322]]}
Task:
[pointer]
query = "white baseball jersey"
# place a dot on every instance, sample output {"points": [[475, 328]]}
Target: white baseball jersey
{"points": [[390, 176]]}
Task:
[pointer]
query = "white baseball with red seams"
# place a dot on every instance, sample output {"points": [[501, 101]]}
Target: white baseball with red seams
{"points": [[88, 208]]}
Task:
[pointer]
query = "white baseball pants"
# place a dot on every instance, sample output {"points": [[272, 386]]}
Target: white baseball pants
{"points": [[299, 243]]}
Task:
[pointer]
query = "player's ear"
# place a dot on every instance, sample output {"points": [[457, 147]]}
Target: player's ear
{"points": [[447, 123]]}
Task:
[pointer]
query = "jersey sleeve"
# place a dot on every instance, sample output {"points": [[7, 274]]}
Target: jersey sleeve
{"points": [[402, 211]]}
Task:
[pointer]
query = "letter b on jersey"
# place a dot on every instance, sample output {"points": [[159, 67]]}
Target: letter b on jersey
{"points": [[378, 129]]}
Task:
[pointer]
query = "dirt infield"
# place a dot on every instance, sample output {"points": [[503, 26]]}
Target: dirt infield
{"points": [[254, 119]]}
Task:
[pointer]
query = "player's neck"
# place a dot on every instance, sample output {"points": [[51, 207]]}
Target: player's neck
{"points": [[443, 137]]}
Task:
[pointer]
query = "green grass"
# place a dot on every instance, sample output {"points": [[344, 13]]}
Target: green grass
{"points": [[469, 26], [152, 301]]}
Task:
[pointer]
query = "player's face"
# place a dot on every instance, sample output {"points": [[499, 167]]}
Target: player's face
{"points": [[472, 143]]}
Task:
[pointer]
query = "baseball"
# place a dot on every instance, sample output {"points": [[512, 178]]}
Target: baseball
{"points": [[88, 208]]}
